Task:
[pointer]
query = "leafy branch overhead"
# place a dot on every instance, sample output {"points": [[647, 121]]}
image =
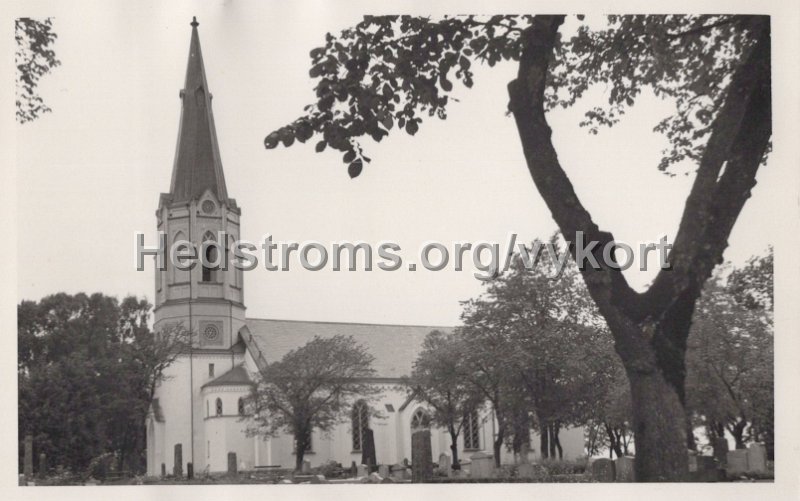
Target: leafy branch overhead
{"points": [[34, 58], [389, 72]]}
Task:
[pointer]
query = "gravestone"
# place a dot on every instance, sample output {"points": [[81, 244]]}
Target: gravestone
{"points": [[353, 469], [444, 464], [737, 462], [42, 465], [232, 463], [757, 458], [27, 466], [692, 461], [177, 469], [305, 469], [482, 465], [399, 471], [707, 470], [721, 451], [603, 470], [524, 452], [375, 478], [623, 469], [189, 471], [525, 470], [163, 470], [368, 449], [362, 470], [383, 470], [421, 456]]}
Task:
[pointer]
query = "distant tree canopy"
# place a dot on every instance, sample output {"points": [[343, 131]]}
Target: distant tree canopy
{"points": [[88, 367], [311, 388], [390, 72], [34, 58], [438, 379], [731, 369], [534, 349]]}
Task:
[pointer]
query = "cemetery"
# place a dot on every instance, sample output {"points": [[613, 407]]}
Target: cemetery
{"points": [[724, 465]]}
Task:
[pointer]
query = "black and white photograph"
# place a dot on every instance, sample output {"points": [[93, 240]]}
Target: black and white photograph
{"points": [[326, 248]]}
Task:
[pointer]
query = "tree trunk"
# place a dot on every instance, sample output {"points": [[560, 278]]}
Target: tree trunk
{"points": [[613, 442], [737, 431], [301, 444], [659, 430], [454, 446], [691, 443], [544, 446], [498, 444], [555, 443], [650, 329]]}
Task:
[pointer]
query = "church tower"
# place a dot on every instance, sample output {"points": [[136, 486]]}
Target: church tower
{"points": [[206, 299], [197, 209]]}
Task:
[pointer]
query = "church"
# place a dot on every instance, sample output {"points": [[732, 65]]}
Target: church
{"points": [[197, 415]]}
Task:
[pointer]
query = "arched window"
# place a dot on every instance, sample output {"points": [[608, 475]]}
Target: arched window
{"points": [[241, 406], [219, 407], [360, 423], [472, 431], [420, 420], [208, 413], [211, 256]]}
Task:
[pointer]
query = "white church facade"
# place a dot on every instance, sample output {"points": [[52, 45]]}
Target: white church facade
{"points": [[198, 407]]}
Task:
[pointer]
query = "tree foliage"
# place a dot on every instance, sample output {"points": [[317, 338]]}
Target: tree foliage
{"points": [[87, 368], [537, 350], [731, 355], [389, 72], [311, 388], [437, 379], [34, 58]]}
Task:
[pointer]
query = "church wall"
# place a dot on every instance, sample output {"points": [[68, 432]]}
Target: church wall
{"points": [[226, 433], [174, 398]]}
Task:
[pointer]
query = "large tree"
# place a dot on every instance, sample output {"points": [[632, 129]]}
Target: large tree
{"points": [[437, 379], [551, 346], [391, 70], [311, 388], [87, 368]]}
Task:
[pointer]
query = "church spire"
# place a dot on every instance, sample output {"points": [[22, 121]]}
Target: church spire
{"points": [[198, 166]]}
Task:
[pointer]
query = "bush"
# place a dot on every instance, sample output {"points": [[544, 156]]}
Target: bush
{"points": [[101, 466], [331, 469], [562, 467]]}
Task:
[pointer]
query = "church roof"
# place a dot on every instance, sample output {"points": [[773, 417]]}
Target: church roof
{"points": [[237, 376], [395, 347], [198, 165]]}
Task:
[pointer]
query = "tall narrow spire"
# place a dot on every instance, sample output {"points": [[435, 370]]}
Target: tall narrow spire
{"points": [[198, 166]]}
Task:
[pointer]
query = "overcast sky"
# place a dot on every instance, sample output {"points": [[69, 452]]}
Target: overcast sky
{"points": [[90, 173]]}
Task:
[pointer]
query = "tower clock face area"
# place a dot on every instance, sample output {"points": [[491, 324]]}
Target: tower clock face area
{"points": [[211, 333], [208, 207]]}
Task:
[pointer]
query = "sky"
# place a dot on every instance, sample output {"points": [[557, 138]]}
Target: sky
{"points": [[89, 174]]}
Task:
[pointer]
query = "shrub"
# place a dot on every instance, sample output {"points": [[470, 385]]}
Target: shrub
{"points": [[100, 467]]}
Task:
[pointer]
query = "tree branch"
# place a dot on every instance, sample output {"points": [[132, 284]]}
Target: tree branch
{"points": [[607, 286], [739, 139]]}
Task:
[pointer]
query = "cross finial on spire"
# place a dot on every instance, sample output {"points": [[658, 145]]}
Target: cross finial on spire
{"points": [[194, 22]]}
